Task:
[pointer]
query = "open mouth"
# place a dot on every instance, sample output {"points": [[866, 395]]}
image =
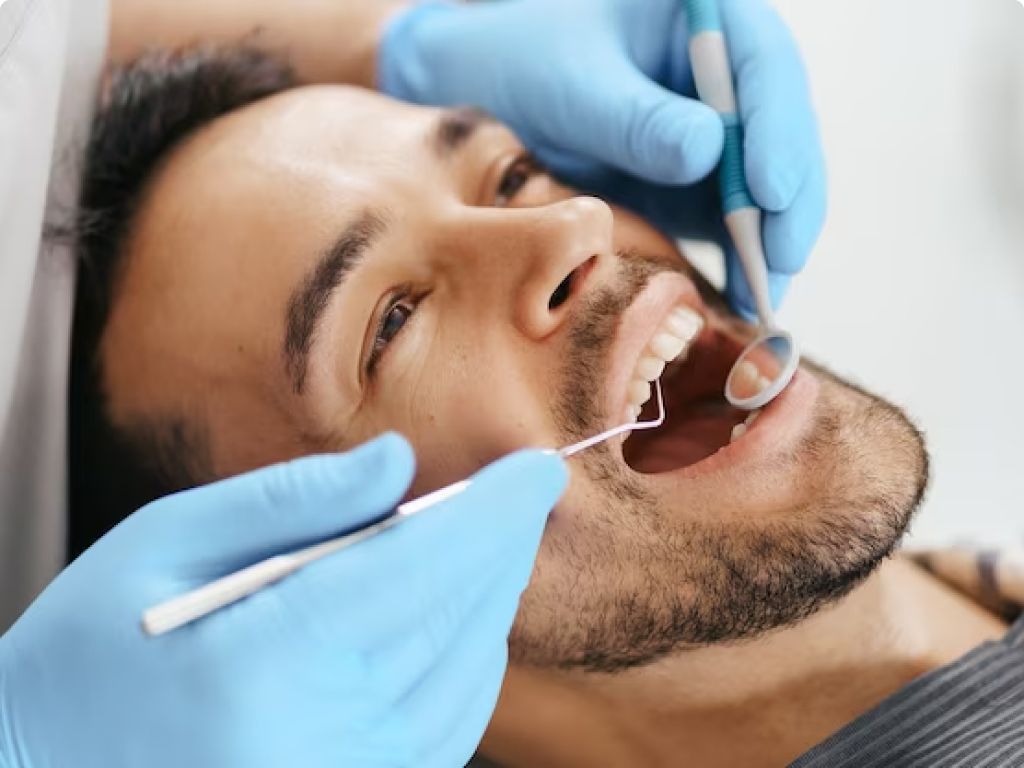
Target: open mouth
{"points": [[699, 421]]}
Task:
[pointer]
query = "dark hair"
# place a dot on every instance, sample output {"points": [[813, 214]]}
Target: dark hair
{"points": [[148, 107]]}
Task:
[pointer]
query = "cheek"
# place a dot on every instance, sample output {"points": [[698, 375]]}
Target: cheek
{"points": [[464, 414]]}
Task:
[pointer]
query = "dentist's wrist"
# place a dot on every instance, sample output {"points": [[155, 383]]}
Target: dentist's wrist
{"points": [[360, 64], [7, 755], [402, 67]]}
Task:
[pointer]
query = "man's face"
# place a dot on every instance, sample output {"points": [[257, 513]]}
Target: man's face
{"points": [[328, 264]]}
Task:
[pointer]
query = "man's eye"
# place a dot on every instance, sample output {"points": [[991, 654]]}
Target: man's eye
{"points": [[518, 173], [391, 323]]}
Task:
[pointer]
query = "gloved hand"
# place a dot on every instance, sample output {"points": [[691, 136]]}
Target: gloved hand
{"points": [[388, 653], [592, 86]]}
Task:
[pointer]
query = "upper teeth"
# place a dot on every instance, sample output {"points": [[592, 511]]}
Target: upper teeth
{"points": [[748, 380], [671, 341]]}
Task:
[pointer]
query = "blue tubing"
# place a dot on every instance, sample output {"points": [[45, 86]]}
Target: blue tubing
{"points": [[732, 181], [702, 16]]}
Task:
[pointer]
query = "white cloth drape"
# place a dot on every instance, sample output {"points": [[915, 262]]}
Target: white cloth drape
{"points": [[51, 52]]}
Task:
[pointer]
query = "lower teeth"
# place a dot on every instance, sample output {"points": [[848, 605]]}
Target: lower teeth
{"points": [[741, 429]]}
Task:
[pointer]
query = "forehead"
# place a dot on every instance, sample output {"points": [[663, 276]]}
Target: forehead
{"points": [[304, 144]]}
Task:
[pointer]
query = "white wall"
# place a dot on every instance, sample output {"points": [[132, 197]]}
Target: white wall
{"points": [[917, 286]]}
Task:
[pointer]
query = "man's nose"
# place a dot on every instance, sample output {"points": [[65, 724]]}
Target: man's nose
{"points": [[556, 253]]}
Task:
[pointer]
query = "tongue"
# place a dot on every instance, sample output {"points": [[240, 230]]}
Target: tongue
{"points": [[686, 438]]}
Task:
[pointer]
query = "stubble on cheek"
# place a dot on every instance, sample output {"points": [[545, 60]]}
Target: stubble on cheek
{"points": [[863, 449]]}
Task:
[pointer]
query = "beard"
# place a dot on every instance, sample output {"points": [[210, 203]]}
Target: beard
{"points": [[637, 580]]}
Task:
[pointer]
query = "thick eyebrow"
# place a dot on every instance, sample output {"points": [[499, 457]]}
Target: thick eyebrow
{"points": [[455, 127], [309, 300]]}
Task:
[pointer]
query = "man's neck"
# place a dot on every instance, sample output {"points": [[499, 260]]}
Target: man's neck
{"points": [[760, 702]]}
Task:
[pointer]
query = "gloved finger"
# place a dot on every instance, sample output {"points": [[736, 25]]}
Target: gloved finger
{"points": [[737, 289], [477, 665], [455, 744], [222, 526], [781, 137], [644, 129], [790, 235], [488, 604], [439, 702], [480, 617], [390, 583]]}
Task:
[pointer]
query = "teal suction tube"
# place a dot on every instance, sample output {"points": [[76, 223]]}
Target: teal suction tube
{"points": [[712, 73]]}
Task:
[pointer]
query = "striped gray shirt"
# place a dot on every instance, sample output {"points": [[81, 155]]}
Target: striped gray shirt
{"points": [[969, 714]]}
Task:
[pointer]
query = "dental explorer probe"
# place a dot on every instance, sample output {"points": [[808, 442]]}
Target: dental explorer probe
{"points": [[190, 606], [774, 353]]}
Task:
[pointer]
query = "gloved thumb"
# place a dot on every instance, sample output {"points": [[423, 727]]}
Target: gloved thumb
{"points": [[284, 506], [629, 121]]}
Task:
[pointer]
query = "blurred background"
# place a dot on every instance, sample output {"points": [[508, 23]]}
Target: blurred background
{"points": [[916, 289]]}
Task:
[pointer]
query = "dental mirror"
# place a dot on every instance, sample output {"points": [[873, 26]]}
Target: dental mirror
{"points": [[768, 363], [762, 370]]}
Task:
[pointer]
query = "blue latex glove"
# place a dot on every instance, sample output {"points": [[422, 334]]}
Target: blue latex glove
{"points": [[388, 653], [593, 87]]}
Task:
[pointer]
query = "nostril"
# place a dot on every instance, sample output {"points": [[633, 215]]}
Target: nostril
{"points": [[572, 283], [561, 294]]}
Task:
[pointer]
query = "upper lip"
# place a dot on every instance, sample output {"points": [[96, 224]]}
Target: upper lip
{"points": [[636, 326]]}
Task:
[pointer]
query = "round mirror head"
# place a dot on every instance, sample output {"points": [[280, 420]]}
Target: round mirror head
{"points": [[762, 370]]}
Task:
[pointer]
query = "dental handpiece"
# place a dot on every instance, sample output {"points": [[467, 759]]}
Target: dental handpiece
{"points": [[712, 73], [200, 602]]}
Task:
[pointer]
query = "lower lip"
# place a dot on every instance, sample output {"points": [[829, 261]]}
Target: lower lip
{"points": [[779, 425]]}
